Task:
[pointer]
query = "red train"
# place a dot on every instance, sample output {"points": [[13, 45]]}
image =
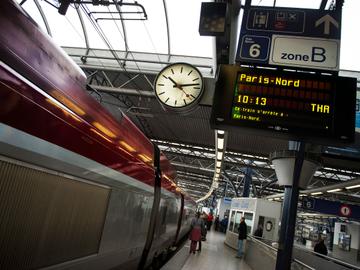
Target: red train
{"points": [[78, 189]]}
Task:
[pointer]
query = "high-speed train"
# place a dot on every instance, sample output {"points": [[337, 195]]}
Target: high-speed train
{"points": [[78, 189]]}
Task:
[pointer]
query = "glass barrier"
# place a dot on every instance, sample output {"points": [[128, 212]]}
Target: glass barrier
{"points": [[232, 219], [237, 221]]}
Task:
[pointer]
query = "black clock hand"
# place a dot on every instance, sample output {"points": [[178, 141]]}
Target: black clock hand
{"points": [[189, 84], [175, 83]]}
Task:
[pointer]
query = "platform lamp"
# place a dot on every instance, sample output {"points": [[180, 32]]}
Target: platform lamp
{"points": [[284, 163]]}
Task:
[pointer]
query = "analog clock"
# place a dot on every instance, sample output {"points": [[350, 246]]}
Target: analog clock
{"points": [[179, 87]]}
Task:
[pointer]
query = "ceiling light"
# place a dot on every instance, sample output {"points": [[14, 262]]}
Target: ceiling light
{"points": [[219, 155], [334, 190], [351, 187], [217, 170], [220, 143], [217, 175], [302, 195], [218, 163], [316, 193], [221, 132]]}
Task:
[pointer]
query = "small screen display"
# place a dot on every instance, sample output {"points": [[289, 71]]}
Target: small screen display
{"points": [[293, 105], [281, 102]]}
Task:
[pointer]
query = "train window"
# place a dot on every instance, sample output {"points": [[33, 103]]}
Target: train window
{"points": [[163, 218]]}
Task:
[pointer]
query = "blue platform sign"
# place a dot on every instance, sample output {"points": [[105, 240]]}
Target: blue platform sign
{"points": [[331, 207], [308, 203], [292, 37], [255, 48]]}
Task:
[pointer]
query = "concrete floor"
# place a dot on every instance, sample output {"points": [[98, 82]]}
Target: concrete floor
{"points": [[214, 255]]}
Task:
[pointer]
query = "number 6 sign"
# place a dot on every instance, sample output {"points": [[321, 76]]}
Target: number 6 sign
{"points": [[254, 48]]}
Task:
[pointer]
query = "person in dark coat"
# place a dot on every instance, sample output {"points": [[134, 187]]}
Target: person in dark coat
{"points": [[321, 248], [217, 223], [242, 236], [224, 224], [259, 231]]}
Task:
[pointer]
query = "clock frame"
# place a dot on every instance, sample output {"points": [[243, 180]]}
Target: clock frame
{"points": [[179, 87]]}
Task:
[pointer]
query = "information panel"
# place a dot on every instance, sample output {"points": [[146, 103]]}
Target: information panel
{"points": [[292, 37], [287, 104]]}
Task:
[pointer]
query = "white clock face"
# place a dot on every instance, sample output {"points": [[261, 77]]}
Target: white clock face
{"points": [[179, 85]]}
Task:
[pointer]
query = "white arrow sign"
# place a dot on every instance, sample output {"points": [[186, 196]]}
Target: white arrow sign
{"points": [[327, 20]]}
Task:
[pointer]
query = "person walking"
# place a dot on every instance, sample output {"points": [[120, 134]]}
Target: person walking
{"points": [[242, 236], [197, 226], [321, 248]]}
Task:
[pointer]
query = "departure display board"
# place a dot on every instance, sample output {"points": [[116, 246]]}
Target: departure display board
{"points": [[292, 105]]}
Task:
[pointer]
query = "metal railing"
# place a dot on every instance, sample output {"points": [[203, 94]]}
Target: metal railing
{"points": [[265, 242], [335, 260], [261, 241]]}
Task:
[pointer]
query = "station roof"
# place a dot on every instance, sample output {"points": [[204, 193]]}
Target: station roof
{"points": [[121, 48]]}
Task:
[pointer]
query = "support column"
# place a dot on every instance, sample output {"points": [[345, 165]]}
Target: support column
{"points": [[331, 233], [287, 229], [225, 189], [247, 182]]}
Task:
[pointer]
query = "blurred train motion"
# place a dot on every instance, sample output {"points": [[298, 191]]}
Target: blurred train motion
{"points": [[78, 189]]}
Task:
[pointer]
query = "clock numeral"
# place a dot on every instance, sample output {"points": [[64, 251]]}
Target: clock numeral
{"points": [[172, 71], [190, 73], [161, 93], [181, 69], [193, 96], [184, 101], [196, 87], [164, 76], [167, 100], [195, 79], [175, 102], [160, 84]]}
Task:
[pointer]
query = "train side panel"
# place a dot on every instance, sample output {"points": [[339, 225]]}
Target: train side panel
{"points": [[73, 174]]}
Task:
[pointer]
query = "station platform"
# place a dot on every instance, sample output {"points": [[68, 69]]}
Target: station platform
{"points": [[214, 255]]}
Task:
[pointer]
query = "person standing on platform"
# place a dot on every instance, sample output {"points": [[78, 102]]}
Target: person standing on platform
{"points": [[259, 231], [197, 225], [224, 224], [242, 236], [210, 218], [204, 218], [321, 248], [217, 223]]}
